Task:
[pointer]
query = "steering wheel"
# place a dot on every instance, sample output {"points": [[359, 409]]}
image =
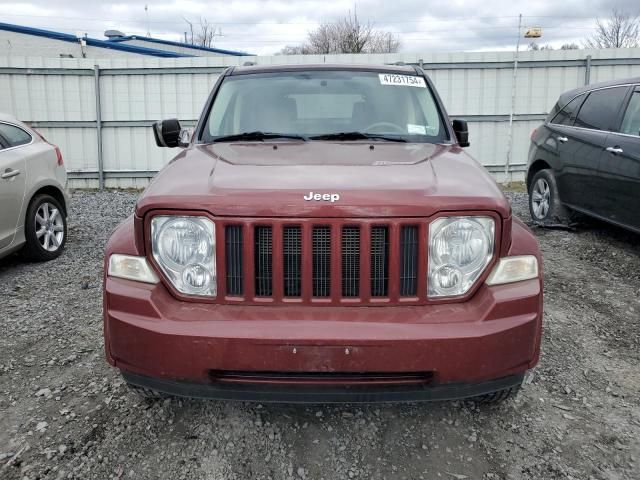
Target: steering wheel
{"points": [[377, 125]]}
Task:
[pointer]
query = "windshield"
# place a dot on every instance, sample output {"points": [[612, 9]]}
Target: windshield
{"points": [[325, 103]]}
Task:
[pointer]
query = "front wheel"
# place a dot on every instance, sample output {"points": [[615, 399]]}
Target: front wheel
{"points": [[147, 393], [544, 200], [45, 229], [497, 397]]}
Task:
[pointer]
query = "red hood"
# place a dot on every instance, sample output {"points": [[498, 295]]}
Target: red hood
{"points": [[259, 180]]}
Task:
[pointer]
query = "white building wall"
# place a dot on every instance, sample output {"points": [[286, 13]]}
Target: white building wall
{"points": [[137, 91]]}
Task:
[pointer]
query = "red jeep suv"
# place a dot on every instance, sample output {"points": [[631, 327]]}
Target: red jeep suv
{"points": [[322, 237]]}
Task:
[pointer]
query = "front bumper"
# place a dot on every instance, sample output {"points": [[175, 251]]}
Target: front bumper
{"points": [[459, 349]]}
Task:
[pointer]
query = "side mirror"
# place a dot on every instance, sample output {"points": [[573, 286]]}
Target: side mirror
{"points": [[168, 133], [462, 132]]}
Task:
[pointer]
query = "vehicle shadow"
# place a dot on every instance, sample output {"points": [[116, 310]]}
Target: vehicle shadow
{"points": [[601, 231], [11, 261]]}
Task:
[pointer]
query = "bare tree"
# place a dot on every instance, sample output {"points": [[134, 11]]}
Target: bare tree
{"points": [[322, 40], [385, 42], [565, 46], [204, 34], [295, 50], [620, 30], [535, 47], [347, 35]]}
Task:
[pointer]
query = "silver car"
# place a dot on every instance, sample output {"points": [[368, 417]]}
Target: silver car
{"points": [[33, 197]]}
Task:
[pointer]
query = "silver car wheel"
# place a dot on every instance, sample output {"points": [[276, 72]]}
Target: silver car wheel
{"points": [[49, 226], [541, 198]]}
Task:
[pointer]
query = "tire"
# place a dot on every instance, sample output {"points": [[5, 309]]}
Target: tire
{"points": [[497, 397], [146, 393], [45, 229], [544, 200]]}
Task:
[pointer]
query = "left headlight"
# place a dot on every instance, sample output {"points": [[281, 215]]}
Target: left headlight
{"points": [[460, 248], [184, 249]]}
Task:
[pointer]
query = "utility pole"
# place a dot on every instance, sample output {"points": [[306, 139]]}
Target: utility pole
{"points": [[513, 102], [146, 11]]}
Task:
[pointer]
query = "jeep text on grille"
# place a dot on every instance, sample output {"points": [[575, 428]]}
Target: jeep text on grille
{"points": [[327, 197]]}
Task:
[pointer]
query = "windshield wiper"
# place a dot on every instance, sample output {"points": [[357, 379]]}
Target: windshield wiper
{"points": [[340, 136], [258, 136]]}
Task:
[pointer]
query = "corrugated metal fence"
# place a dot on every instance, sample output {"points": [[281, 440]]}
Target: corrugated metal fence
{"points": [[60, 97]]}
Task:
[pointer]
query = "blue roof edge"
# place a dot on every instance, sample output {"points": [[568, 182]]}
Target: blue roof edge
{"points": [[65, 37], [179, 44]]}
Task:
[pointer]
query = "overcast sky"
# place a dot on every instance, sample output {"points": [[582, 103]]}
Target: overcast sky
{"points": [[265, 26]]}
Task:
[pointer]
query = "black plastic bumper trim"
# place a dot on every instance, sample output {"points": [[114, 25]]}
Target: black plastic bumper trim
{"points": [[287, 393]]}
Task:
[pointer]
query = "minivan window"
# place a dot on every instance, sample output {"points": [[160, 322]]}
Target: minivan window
{"points": [[601, 108], [567, 115], [322, 102], [14, 136], [631, 121]]}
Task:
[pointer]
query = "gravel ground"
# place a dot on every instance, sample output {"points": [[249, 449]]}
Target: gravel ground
{"points": [[64, 413]]}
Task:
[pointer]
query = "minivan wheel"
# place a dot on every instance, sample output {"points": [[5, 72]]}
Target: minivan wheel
{"points": [[45, 229], [544, 200]]}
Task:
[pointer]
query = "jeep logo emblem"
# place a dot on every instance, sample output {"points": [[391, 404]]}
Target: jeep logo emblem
{"points": [[324, 197]]}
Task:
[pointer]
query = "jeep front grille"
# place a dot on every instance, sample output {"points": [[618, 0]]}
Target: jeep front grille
{"points": [[292, 260], [379, 261], [350, 261], [263, 261], [324, 261], [233, 258], [321, 253], [409, 260]]}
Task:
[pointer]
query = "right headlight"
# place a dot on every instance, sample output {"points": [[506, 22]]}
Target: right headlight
{"points": [[184, 249], [460, 248]]}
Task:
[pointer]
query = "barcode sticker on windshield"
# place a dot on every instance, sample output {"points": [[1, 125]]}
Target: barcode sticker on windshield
{"points": [[416, 129], [402, 80]]}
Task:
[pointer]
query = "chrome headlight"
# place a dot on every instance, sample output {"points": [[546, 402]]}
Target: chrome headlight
{"points": [[184, 249], [460, 248]]}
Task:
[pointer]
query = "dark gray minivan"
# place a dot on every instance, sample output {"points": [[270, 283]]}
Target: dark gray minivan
{"points": [[586, 156]]}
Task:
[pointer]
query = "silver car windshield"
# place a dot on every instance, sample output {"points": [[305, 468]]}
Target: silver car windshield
{"points": [[325, 103]]}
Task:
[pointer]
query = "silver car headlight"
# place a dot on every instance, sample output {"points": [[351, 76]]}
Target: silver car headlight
{"points": [[460, 248], [184, 249]]}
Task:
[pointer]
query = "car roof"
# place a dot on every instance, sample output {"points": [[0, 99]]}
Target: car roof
{"points": [[566, 97], [5, 117], [249, 69]]}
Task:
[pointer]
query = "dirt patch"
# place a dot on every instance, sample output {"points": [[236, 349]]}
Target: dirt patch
{"points": [[64, 413]]}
